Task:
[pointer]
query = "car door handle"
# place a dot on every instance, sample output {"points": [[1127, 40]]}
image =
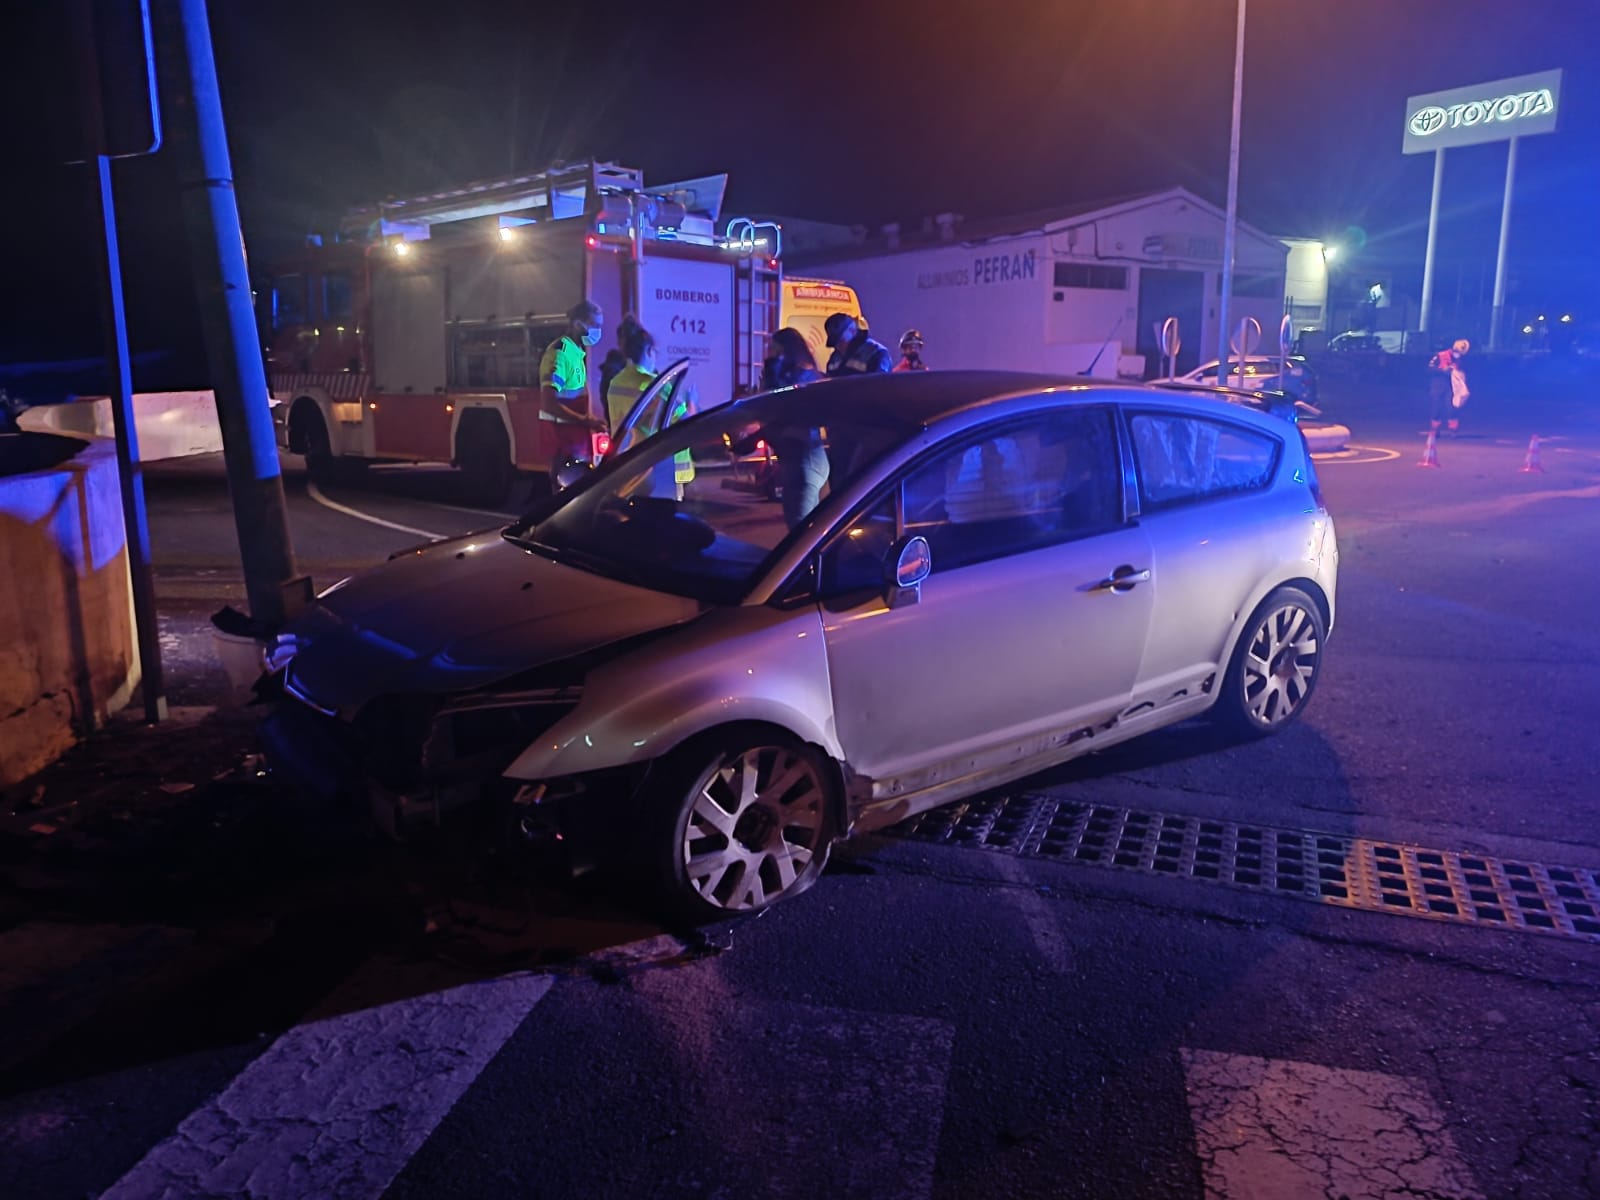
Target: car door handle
{"points": [[1123, 579]]}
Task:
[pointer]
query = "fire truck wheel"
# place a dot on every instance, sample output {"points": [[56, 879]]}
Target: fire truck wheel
{"points": [[485, 458], [309, 431]]}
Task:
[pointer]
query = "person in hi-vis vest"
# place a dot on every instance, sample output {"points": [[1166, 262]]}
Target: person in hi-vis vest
{"points": [[632, 382]]}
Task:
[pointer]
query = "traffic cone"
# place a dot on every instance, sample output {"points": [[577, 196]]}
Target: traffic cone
{"points": [[1430, 452], [1531, 461]]}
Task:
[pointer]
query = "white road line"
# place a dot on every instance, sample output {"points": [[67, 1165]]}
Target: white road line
{"points": [[1298, 1131], [1354, 455], [337, 1107], [316, 494]]}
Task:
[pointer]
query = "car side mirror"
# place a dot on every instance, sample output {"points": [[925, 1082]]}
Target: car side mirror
{"points": [[906, 565]]}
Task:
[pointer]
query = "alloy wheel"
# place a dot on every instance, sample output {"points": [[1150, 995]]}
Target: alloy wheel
{"points": [[1280, 665], [756, 829]]}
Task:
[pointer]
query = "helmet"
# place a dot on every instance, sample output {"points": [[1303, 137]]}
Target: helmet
{"points": [[1461, 346], [911, 340]]}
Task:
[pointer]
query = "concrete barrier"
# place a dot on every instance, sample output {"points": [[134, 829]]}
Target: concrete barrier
{"points": [[1325, 437], [170, 424], [69, 658]]}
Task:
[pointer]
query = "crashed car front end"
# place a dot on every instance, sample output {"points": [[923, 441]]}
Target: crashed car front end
{"points": [[415, 719]]}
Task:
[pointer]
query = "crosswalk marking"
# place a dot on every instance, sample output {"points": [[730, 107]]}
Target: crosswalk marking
{"points": [[337, 1107], [1273, 1129]]}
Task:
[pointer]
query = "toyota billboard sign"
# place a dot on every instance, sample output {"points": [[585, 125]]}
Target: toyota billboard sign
{"points": [[1485, 112]]}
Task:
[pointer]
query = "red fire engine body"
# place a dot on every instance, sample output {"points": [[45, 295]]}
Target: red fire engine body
{"points": [[415, 335]]}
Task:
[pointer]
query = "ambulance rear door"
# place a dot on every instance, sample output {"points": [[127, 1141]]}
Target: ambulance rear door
{"points": [[807, 305]]}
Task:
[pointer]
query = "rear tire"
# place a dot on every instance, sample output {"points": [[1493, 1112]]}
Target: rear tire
{"points": [[310, 432], [1274, 667], [485, 458]]}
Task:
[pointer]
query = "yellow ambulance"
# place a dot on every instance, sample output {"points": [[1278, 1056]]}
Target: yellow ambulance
{"points": [[807, 303]]}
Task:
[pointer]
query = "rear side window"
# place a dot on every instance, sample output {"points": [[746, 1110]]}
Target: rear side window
{"points": [[1181, 458]]}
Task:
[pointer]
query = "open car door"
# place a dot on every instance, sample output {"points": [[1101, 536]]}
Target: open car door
{"points": [[652, 412]]}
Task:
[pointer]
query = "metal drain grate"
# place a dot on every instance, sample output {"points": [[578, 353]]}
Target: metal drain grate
{"points": [[1443, 885]]}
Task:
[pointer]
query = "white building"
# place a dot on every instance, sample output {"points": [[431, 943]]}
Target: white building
{"points": [[1060, 290], [1305, 287]]}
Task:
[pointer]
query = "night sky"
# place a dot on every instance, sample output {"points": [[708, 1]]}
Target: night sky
{"points": [[861, 113]]}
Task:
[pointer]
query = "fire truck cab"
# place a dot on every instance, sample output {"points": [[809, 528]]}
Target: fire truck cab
{"points": [[415, 333]]}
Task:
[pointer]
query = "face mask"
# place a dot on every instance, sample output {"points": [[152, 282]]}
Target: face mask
{"points": [[591, 335]]}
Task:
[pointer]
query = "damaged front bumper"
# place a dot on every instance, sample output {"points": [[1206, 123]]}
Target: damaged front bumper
{"points": [[410, 768]]}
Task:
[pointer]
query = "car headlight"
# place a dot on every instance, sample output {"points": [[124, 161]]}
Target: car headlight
{"points": [[487, 731]]}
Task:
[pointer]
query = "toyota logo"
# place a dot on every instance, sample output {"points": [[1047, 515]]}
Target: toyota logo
{"points": [[1428, 120]]}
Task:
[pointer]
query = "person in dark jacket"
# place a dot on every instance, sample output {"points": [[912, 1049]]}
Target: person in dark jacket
{"points": [[802, 461], [855, 352]]}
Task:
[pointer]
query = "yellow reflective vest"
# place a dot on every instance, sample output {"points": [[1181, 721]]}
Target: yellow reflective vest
{"points": [[624, 392]]}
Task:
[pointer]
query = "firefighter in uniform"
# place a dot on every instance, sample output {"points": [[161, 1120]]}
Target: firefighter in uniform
{"points": [[564, 369], [1445, 382], [911, 352], [632, 382], [617, 357], [854, 350]]}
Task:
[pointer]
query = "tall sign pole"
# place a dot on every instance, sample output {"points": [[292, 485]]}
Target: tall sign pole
{"points": [[101, 53], [1433, 241], [1497, 319], [1231, 223], [1498, 111], [199, 143]]}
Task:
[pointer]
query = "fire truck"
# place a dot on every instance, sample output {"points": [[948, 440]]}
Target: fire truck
{"points": [[415, 332]]}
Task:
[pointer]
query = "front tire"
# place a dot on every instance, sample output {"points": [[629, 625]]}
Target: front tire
{"points": [[1275, 666], [751, 823]]}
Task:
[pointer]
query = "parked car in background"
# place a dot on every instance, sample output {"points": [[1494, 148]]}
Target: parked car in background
{"points": [[1261, 371], [1352, 342], [1005, 572]]}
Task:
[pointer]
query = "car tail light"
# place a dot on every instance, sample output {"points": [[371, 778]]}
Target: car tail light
{"points": [[600, 444]]}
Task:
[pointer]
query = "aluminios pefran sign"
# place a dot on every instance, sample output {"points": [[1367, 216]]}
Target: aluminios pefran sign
{"points": [[1486, 112]]}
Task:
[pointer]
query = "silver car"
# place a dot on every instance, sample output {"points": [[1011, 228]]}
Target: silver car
{"points": [[1001, 572]]}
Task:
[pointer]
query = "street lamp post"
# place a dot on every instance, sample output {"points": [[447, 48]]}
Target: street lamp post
{"points": [[1231, 223]]}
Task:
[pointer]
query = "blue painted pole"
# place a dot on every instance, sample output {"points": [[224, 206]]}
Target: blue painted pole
{"points": [[198, 139], [135, 521]]}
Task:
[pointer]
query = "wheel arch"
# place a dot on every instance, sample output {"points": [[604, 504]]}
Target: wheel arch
{"points": [[306, 406], [1313, 589], [471, 416], [757, 727]]}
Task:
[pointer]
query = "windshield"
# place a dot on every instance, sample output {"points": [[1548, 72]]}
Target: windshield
{"points": [[701, 508]]}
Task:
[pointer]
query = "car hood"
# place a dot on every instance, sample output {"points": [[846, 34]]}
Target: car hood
{"points": [[462, 614]]}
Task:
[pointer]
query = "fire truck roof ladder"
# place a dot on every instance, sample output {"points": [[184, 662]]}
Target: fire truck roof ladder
{"points": [[565, 190]]}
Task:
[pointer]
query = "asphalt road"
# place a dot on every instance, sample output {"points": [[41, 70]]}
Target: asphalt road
{"points": [[1204, 973]]}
